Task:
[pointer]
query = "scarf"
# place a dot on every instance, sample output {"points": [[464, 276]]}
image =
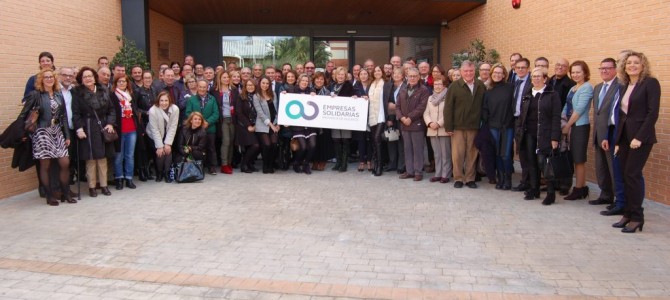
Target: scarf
{"points": [[437, 98], [125, 102]]}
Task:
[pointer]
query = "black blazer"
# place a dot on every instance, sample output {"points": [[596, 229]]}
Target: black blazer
{"points": [[643, 107], [549, 117]]}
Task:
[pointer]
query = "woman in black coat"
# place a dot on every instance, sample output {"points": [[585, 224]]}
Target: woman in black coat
{"points": [[146, 97], [306, 136], [88, 99], [636, 133], [245, 126], [193, 138], [538, 129], [498, 114]]}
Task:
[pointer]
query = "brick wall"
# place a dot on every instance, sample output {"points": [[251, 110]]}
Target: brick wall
{"points": [[162, 28], [587, 30], [76, 32]]}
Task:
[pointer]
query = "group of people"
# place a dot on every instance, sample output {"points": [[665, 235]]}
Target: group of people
{"points": [[225, 117]]}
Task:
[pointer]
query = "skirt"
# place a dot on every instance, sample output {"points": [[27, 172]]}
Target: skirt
{"points": [[579, 140], [49, 143]]}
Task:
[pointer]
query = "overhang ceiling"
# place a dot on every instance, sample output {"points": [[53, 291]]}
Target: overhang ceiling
{"points": [[327, 12]]}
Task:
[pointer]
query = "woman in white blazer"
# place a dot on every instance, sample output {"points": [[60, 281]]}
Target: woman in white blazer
{"points": [[162, 128]]}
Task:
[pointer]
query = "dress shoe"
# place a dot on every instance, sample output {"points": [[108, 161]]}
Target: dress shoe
{"points": [[105, 191], [405, 176], [444, 180], [306, 169], [51, 201], [130, 184], [632, 227], [390, 169], [601, 201], [521, 187], [212, 171], [610, 206], [549, 199], [435, 179], [532, 194], [612, 212], [73, 194], [296, 168], [142, 175], [458, 184], [159, 176], [401, 170], [119, 184], [493, 181], [418, 177], [622, 223], [92, 193], [471, 184]]}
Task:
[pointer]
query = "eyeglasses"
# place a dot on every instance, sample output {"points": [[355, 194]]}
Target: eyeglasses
{"points": [[520, 68], [87, 76], [537, 76], [561, 66], [67, 75], [541, 66], [48, 77]]}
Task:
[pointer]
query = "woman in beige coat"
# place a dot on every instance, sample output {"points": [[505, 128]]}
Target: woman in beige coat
{"points": [[440, 141]]}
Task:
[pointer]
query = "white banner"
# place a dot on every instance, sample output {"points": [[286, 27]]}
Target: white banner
{"points": [[323, 111]]}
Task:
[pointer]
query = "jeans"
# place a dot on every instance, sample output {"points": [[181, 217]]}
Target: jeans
{"points": [[504, 161], [124, 162]]}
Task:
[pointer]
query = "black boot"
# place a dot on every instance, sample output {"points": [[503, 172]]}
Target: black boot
{"points": [[160, 176], [499, 180], [119, 184], [344, 157], [141, 174], [130, 184], [507, 181], [550, 199], [168, 179], [338, 156], [378, 160], [532, 194]]}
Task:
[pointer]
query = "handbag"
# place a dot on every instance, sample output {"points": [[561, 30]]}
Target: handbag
{"points": [[106, 135], [30, 124], [391, 134], [558, 165], [189, 171], [295, 145]]}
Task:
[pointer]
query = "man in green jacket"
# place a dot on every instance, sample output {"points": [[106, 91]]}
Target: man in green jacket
{"points": [[207, 106], [462, 113]]}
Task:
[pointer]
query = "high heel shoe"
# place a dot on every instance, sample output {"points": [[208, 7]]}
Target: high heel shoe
{"points": [[370, 168], [361, 167], [51, 202], [578, 193], [68, 198], [632, 227], [622, 223]]}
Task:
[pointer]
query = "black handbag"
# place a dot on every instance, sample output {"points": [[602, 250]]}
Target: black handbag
{"points": [[189, 171], [558, 165], [106, 135]]}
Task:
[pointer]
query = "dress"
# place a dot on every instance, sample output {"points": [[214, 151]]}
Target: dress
{"points": [[49, 142]]}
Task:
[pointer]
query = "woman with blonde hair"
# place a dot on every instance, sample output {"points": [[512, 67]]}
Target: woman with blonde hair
{"points": [[52, 136], [637, 113], [193, 138]]}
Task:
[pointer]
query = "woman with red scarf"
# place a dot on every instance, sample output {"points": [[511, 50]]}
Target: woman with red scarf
{"points": [[128, 126]]}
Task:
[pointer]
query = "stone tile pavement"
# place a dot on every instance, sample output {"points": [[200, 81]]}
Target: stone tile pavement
{"points": [[325, 236]]}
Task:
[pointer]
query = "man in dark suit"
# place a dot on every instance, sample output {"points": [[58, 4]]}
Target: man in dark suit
{"points": [[603, 97], [522, 86], [562, 84], [512, 65]]}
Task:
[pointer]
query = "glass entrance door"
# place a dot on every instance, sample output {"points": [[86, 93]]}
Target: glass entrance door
{"points": [[348, 52]]}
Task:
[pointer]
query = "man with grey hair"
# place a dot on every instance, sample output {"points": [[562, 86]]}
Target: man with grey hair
{"points": [[462, 112], [245, 74], [396, 61], [105, 77], [485, 73], [410, 106]]}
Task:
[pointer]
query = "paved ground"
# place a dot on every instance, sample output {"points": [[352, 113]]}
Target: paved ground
{"points": [[325, 236]]}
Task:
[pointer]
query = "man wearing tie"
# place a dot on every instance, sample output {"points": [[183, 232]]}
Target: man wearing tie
{"points": [[522, 86], [603, 97]]}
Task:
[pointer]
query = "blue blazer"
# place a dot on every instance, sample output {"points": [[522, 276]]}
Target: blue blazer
{"points": [[581, 103]]}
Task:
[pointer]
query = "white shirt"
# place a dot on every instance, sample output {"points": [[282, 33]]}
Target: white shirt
{"points": [[67, 97]]}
